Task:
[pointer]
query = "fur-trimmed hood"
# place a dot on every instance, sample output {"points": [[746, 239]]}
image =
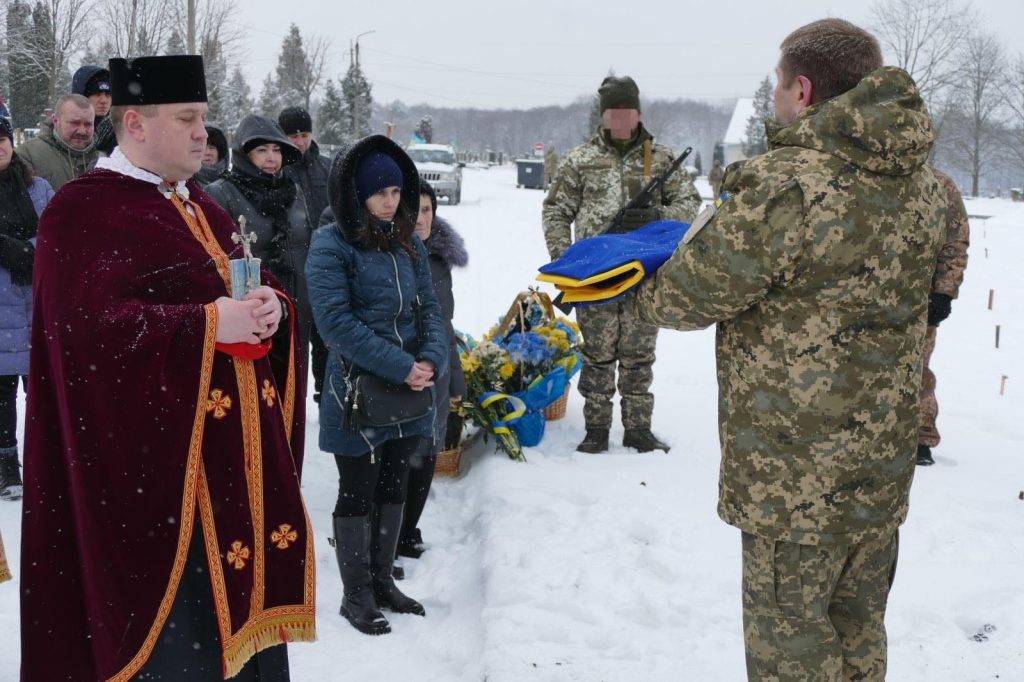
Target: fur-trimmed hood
{"points": [[341, 186], [447, 244]]}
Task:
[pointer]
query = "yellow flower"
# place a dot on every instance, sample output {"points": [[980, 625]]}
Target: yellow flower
{"points": [[507, 370], [469, 363]]}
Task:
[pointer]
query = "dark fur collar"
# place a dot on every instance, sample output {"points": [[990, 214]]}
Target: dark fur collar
{"points": [[447, 244]]}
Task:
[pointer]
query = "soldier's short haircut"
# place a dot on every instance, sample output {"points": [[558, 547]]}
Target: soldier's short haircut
{"points": [[78, 100], [833, 54], [117, 115]]}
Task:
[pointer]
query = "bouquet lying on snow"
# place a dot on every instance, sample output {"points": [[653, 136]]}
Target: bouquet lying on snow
{"points": [[522, 365]]}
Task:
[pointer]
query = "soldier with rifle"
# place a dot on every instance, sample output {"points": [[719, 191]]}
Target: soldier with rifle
{"points": [[596, 181]]}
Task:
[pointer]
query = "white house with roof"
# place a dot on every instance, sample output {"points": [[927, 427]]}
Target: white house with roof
{"points": [[736, 133]]}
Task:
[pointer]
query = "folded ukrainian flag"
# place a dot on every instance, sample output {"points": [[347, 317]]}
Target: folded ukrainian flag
{"points": [[601, 268]]}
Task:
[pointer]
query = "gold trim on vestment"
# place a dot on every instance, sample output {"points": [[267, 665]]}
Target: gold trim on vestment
{"points": [[188, 502]]}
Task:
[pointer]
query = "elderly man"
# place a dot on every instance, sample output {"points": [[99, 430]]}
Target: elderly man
{"points": [[165, 537], [63, 150]]}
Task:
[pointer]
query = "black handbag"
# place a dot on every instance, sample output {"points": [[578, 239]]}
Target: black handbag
{"points": [[378, 403], [373, 402]]}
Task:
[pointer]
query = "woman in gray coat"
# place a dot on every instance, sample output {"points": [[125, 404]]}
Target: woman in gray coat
{"points": [[257, 188]]}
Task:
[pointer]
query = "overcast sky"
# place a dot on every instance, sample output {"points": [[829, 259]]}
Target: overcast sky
{"points": [[525, 53]]}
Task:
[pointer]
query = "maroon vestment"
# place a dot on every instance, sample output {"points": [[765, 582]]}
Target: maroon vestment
{"points": [[137, 428]]}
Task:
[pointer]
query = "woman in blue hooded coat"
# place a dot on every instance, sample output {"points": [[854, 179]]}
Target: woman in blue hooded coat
{"points": [[374, 305], [22, 198]]}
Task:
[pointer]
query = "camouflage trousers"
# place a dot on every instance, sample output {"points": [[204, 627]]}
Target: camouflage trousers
{"points": [[928, 406], [816, 612], [612, 337]]}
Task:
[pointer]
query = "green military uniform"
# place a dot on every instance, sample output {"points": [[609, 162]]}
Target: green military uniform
{"points": [[817, 272], [550, 165], [715, 178], [949, 275], [593, 182]]}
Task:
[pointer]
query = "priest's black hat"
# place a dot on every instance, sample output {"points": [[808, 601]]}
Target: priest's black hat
{"points": [[170, 79]]}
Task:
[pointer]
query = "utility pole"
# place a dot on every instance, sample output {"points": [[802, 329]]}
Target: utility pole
{"points": [[354, 56], [191, 26]]}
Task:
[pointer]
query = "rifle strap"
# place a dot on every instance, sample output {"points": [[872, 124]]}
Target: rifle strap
{"points": [[648, 152]]}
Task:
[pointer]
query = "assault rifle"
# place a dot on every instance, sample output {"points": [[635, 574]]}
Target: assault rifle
{"points": [[641, 200]]}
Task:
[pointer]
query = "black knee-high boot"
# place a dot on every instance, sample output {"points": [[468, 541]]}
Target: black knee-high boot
{"points": [[387, 524], [352, 549]]}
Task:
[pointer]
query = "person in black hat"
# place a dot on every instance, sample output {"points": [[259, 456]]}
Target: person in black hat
{"points": [[215, 158], [93, 83], [310, 174], [165, 528]]}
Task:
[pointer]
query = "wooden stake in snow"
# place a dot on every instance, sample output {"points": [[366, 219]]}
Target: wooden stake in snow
{"points": [[1002, 385], [997, 336], [991, 295]]}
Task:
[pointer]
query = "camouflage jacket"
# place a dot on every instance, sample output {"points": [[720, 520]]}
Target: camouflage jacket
{"points": [[816, 271], [949, 273], [594, 181]]}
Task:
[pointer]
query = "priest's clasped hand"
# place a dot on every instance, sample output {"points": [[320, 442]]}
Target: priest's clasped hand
{"points": [[268, 314], [249, 321]]}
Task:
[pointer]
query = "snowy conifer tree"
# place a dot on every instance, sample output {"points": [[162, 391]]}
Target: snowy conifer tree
{"points": [[358, 100], [331, 119], [764, 109]]}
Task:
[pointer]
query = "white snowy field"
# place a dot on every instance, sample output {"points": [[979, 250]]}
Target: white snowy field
{"points": [[616, 567]]}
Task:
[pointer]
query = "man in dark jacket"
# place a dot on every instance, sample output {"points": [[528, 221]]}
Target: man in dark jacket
{"points": [[310, 174], [93, 83]]}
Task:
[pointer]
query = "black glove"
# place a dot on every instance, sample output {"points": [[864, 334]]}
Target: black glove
{"points": [[635, 218], [17, 256], [939, 307]]}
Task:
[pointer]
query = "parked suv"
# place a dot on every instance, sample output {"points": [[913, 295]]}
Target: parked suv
{"points": [[438, 165]]}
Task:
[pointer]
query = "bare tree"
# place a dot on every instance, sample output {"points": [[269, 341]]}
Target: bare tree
{"points": [[59, 32], [1013, 97], [976, 139], [135, 27], [924, 37], [217, 27]]}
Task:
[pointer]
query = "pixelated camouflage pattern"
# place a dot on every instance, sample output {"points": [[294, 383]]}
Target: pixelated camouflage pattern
{"points": [[816, 613], [715, 178], [949, 274], [816, 271], [614, 338], [928, 405], [594, 181]]}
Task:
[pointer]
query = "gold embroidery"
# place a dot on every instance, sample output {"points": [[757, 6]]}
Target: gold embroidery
{"points": [[284, 536], [269, 393], [188, 503], [218, 403], [238, 554]]}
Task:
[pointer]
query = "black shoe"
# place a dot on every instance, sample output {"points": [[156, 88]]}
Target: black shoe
{"points": [[10, 476], [387, 524], [398, 572], [643, 440], [596, 441], [411, 546], [924, 456], [352, 549]]}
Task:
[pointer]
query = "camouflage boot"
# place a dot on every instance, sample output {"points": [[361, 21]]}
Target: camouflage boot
{"points": [[595, 442], [643, 440]]}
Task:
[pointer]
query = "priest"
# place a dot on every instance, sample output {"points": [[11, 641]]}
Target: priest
{"points": [[164, 535]]}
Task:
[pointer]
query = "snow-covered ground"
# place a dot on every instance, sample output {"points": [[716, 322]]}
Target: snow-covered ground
{"points": [[616, 567]]}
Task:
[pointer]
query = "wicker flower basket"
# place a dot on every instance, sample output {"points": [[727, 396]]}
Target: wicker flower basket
{"points": [[448, 462], [556, 410]]}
